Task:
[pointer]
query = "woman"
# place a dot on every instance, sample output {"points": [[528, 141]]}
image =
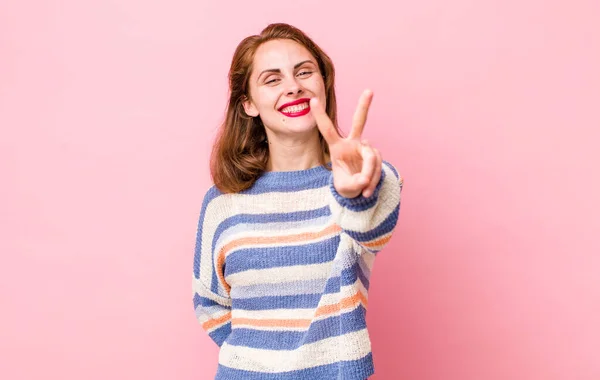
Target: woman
{"points": [[289, 231]]}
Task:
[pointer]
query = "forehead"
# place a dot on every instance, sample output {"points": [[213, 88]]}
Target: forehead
{"points": [[280, 54]]}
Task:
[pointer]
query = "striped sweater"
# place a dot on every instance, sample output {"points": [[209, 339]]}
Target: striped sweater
{"points": [[281, 274]]}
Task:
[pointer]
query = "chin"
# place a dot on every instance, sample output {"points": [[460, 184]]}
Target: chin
{"points": [[301, 124], [301, 127], [306, 122]]}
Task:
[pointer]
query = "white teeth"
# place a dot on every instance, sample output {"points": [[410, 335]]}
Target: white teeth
{"points": [[296, 108]]}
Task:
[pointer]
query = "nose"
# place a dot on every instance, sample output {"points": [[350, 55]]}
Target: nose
{"points": [[293, 87]]}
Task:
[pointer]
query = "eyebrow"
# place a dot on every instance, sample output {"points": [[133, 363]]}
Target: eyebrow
{"points": [[279, 71]]}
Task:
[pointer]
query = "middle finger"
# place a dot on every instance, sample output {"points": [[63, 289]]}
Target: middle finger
{"points": [[369, 163], [376, 176]]}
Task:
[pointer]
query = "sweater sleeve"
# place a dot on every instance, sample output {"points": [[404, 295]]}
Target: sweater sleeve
{"points": [[211, 300], [371, 221]]}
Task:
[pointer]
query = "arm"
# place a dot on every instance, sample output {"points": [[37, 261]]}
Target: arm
{"points": [[370, 221], [211, 301], [365, 189]]}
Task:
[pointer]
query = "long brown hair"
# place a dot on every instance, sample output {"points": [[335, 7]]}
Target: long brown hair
{"points": [[240, 153]]}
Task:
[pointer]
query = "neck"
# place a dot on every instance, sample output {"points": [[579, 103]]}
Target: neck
{"points": [[294, 155]]}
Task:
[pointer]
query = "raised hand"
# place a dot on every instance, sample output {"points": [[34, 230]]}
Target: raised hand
{"points": [[356, 165]]}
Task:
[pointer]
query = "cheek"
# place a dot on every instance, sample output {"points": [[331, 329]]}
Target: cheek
{"points": [[267, 100], [319, 88]]}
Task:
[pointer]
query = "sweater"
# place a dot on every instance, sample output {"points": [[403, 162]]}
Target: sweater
{"points": [[281, 274]]}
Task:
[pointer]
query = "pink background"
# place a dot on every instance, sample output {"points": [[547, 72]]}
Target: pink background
{"points": [[490, 109]]}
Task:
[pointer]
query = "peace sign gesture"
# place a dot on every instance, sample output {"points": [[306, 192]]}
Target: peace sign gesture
{"points": [[356, 166]]}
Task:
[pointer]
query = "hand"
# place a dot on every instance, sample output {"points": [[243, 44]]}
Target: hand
{"points": [[356, 166]]}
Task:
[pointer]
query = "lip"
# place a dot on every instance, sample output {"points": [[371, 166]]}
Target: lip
{"points": [[295, 102]]}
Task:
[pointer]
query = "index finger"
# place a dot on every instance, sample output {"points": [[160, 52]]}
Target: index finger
{"points": [[323, 121], [360, 116]]}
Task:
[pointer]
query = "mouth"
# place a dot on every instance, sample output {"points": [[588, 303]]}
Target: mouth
{"points": [[296, 108]]}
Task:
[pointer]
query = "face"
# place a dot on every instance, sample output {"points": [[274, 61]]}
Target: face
{"points": [[284, 77]]}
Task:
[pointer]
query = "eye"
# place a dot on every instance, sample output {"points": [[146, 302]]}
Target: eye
{"points": [[271, 81], [305, 72]]}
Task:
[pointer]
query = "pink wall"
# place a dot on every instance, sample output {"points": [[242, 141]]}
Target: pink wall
{"points": [[490, 109]]}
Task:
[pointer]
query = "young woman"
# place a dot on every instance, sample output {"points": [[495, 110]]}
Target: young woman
{"points": [[288, 233]]}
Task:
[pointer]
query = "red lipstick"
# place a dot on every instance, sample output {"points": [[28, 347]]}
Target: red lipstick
{"points": [[299, 112]]}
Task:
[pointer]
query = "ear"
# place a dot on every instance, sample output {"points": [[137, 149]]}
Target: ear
{"points": [[249, 107]]}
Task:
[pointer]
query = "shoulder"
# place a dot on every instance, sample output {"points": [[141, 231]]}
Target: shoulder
{"points": [[210, 194], [216, 205]]}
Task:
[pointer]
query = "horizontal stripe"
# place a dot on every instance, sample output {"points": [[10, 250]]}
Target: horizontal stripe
{"points": [[315, 286], [287, 239], [243, 225], [351, 346], [345, 303], [283, 274], [297, 313], [290, 288], [218, 321], [321, 312], [345, 369], [301, 301], [298, 329], [281, 289], [290, 181], [278, 256], [297, 279], [271, 323], [352, 320], [376, 245], [380, 232]]}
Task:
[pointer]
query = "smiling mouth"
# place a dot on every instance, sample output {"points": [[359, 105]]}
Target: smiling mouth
{"points": [[298, 109], [295, 108]]}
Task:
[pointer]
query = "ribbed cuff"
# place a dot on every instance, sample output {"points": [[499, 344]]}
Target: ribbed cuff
{"points": [[360, 202]]}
